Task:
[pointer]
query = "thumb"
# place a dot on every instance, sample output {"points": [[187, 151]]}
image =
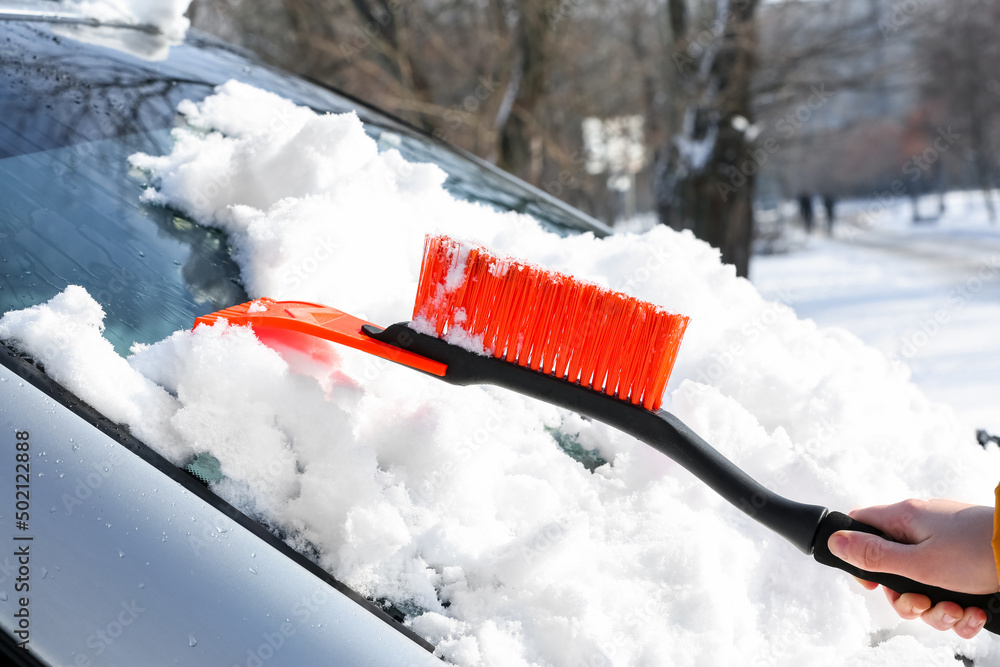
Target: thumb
{"points": [[872, 553]]}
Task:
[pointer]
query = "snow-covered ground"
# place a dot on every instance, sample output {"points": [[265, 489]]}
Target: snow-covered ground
{"points": [[927, 295], [458, 504]]}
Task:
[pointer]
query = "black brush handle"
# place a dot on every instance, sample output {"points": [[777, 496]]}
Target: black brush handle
{"points": [[796, 522], [808, 527], [834, 521]]}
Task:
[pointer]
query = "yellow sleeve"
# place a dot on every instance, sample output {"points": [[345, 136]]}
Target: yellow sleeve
{"points": [[996, 531]]}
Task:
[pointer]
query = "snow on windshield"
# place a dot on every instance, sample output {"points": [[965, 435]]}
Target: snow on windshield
{"points": [[458, 504]]}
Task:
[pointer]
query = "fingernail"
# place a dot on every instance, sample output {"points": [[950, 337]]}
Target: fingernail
{"points": [[838, 546], [949, 619]]}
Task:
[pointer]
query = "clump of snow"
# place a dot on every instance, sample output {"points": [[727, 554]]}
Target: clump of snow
{"points": [[140, 28], [457, 503], [167, 16]]}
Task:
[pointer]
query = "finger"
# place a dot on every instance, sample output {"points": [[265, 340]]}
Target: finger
{"points": [[972, 622], [872, 553], [893, 520], [910, 605], [943, 615]]}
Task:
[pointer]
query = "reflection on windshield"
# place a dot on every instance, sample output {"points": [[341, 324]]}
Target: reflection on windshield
{"points": [[72, 216]]}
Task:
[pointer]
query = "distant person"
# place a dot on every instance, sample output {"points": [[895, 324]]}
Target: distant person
{"points": [[940, 543], [806, 211], [829, 203]]}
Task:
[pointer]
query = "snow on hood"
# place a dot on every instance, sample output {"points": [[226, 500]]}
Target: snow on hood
{"points": [[457, 504]]}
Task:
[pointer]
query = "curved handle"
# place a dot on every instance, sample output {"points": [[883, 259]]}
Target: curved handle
{"points": [[834, 521]]}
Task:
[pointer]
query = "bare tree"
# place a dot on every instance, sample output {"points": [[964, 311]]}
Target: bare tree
{"points": [[714, 60], [959, 53]]}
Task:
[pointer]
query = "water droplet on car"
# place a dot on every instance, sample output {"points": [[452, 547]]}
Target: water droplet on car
{"points": [[192, 641]]}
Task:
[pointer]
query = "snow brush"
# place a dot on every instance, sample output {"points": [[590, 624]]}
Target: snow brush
{"points": [[482, 318]]}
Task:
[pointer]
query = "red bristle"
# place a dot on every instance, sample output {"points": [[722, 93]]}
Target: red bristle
{"points": [[597, 333], [633, 348], [616, 346], [471, 289], [578, 338], [496, 339], [654, 366], [557, 325], [550, 322], [615, 309], [478, 303], [567, 350], [538, 324], [430, 266], [426, 268], [640, 353], [519, 323], [672, 346], [653, 347]]}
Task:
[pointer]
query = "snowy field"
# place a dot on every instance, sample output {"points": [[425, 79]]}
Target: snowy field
{"points": [[926, 295], [460, 505]]}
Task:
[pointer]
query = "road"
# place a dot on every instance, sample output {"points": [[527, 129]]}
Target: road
{"points": [[926, 295]]}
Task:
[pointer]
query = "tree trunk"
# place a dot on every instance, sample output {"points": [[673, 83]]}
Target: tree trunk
{"points": [[520, 137], [706, 175]]}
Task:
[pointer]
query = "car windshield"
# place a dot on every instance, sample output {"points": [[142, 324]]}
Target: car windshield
{"points": [[70, 209]]}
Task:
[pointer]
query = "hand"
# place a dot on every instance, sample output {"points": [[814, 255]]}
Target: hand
{"points": [[941, 543]]}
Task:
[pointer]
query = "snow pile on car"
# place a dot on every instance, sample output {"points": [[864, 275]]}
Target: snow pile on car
{"points": [[459, 506]]}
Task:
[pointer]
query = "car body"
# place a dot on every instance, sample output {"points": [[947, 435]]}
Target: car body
{"points": [[114, 555]]}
